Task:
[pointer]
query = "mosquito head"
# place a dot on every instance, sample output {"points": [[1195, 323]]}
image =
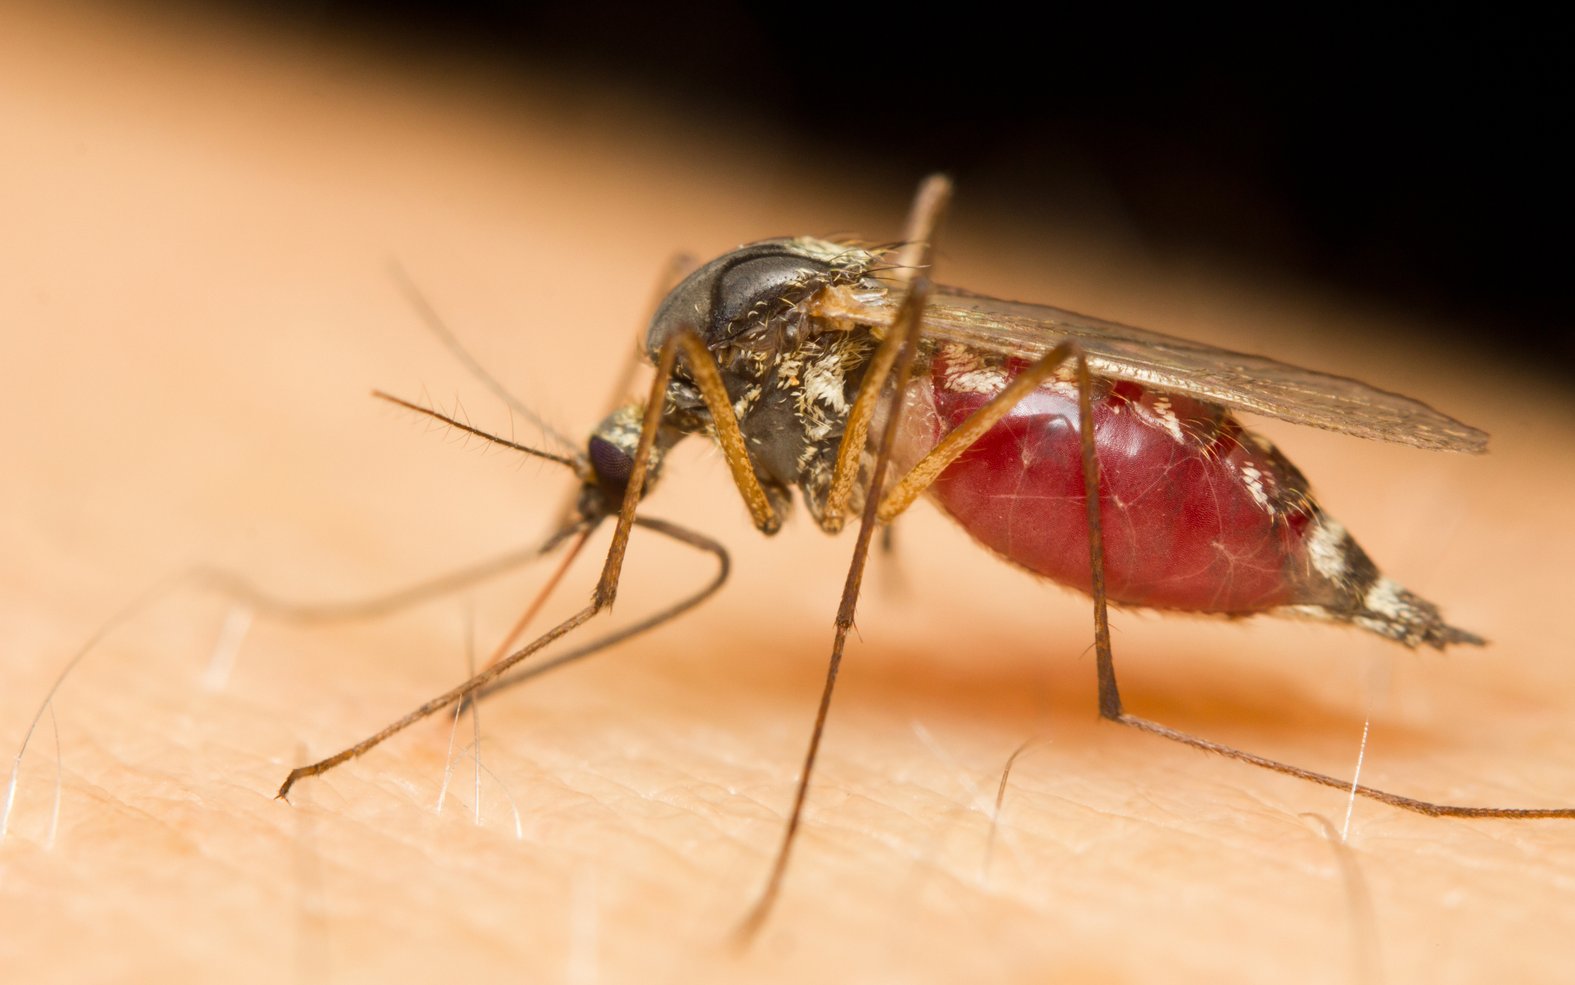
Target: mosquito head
{"points": [[609, 461], [756, 290]]}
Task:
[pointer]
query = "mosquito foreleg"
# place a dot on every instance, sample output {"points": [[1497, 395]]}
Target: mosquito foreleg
{"points": [[602, 598], [729, 436]]}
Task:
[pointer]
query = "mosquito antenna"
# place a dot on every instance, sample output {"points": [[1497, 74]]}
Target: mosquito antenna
{"points": [[459, 425], [438, 327], [679, 266]]}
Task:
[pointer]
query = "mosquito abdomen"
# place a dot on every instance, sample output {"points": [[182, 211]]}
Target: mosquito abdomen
{"points": [[1198, 513]]}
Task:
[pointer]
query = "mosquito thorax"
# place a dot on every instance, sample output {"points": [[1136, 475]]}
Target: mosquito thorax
{"points": [[755, 294], [789, 374]]}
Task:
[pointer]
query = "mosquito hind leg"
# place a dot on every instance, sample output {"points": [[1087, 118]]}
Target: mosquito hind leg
{"points": [[1110, 706], [905, 491], [961, 438], [1392, 799]]}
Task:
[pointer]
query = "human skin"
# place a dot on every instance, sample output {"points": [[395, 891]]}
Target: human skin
{"points": [[196, 307]]}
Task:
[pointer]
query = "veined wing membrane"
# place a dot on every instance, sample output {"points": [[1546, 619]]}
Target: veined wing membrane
{"points": [[1246, 382]]}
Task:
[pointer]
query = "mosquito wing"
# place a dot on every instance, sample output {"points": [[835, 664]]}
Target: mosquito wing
{"points": [[1245, 382]]}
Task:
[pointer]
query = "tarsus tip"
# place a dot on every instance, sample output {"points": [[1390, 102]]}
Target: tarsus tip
{"points": [[1450, 636]]}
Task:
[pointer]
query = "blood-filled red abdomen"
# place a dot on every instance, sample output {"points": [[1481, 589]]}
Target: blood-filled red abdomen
{"points": [[1197, 513]]}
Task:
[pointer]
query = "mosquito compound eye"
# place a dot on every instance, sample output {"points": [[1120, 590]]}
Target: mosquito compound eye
{"points": [[611, 463]]}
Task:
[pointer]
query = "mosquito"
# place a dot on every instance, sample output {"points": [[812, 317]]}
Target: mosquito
{"points": [[1104, 457]]}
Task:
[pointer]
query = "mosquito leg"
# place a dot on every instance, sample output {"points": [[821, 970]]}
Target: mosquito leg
{"points": [[907, 325], [1394, 800], [729, 436], [1110, 697], [244, 592], [502, 649], [691, 538], [439, 328], [440, 702], [954, 444], [961, 438], [239, 590], [855, 433], [229, 584], [678, 266], [570, 522], [928, 206], [449, 583], [896, 354], [602, 598]]}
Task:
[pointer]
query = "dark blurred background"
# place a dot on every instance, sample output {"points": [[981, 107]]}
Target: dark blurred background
{"points": [[1414, 156]]}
